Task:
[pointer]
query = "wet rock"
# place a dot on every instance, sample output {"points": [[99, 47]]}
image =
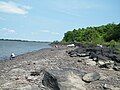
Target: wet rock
{"points": [[50, 81], [91, 77]]}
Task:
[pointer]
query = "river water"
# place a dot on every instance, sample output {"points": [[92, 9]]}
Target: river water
{"points": [[18, 47]]}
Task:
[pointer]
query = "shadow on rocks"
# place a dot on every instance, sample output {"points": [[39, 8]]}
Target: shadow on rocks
{"points": [[50, 81]]}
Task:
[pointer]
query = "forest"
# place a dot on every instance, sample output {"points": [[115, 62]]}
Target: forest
{"points": [[103, 34]]}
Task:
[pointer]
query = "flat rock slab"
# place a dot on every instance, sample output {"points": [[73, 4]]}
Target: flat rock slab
{"points": [[91, 77], [73, 82]]}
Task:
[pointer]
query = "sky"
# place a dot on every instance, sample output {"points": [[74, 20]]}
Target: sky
{"points": [[48, 20]]}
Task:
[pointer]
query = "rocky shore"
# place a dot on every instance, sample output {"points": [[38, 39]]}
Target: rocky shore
{"points": [[60, 69]]}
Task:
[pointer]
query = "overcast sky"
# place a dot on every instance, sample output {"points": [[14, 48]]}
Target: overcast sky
{"points": [[48, 20]]}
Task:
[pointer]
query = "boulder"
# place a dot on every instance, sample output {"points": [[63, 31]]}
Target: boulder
{"points": [[93, 55], [110, 87], [50, 81], [73, 82], [77, 52], [31, 78], [114, 57], [82, 54], [90, 62], [106, 64], [91, 77], [116, 66], [73, 55], [101, 62], [80, 50], [35, 73]]}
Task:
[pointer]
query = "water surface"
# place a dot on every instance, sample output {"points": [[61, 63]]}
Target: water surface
{"points": [[18, 47]]}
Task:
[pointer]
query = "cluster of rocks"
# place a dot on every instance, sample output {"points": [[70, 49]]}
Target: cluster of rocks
{"points": [[21, 79], [104, 57], [72, 80], [54, 69], [48, 80]]}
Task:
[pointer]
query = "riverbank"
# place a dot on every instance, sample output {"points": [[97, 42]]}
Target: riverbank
{"points": [[52, 67]]}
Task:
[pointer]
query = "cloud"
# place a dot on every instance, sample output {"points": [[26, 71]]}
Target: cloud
{"points": [[11, 7], [27, 7], [45, 31], [8, 31], [54, 33], [11, 31]]}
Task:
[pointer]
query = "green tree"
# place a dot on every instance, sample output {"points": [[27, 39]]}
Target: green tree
{"points": [[98, 34]]}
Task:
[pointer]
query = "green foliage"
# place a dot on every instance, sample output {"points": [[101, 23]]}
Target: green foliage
{"points": [[68, 36], [55, 42], [113, 34], [112, 43], [96, 35]]}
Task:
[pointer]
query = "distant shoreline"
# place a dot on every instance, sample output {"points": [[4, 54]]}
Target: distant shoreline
{"points": [[23, 40]]}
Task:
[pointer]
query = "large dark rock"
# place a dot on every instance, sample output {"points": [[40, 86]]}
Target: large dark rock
{"points": [[50, 81], [116, 66], [72, 53], [93, 55], [81, 52], [118, 58], [114, 57], [103, 56], [35, 73], [104, 53]]}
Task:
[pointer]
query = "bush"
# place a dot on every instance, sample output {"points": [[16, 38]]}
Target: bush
{"points": [[112, 43], [55, 42]]}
